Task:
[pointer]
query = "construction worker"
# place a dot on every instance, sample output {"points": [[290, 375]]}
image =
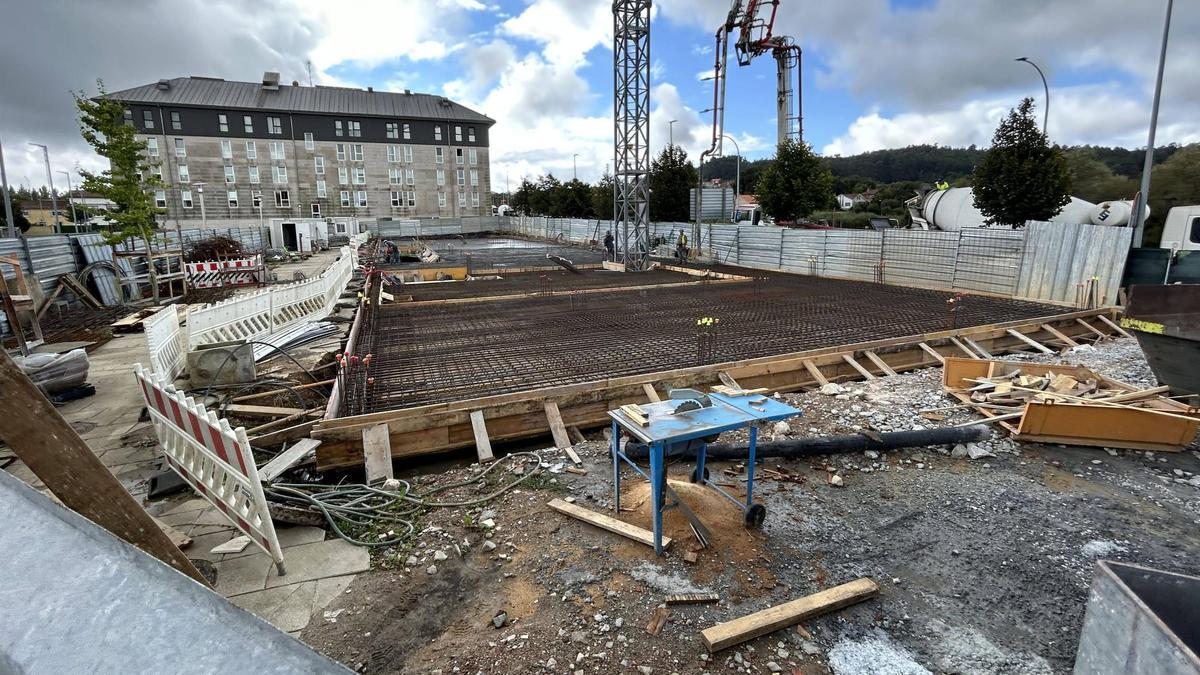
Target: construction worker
{"points": [[942, 185], [681, 246], [608, 245]]}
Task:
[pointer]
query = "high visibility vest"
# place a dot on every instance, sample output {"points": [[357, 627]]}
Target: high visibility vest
{"points": [[682, 239]]}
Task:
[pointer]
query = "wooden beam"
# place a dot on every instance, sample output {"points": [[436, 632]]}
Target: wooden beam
{"points": [[638, 534], [730, 633], [249, 410], [954, 341], [879, 363], [276, 392], [977, 347], [554, 418], [55, 453], [867, 375], [377, 453], [815, 372], [1060, 335], [286, 435], [650, 393], [932, 352], [1030, 341], [483, 445], [302, 450], [1100, 335], [1109, 322]]}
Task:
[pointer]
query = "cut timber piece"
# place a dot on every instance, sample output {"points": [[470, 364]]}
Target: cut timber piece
{"points": [[640, 535], [954, 341], [650, 393], [815, 372], [571, 455], [858, 366], [1135, 395], [249, 410], [748, 627], [692, 598], [1062, 337], [977, 347], [657, 620], [879, 363], [576, 434], [554, 418], [636, 414], [1099, 333], [613, 266], [1030, 341], [377, 451], [932, 352], [1108, 322], [483, 444], [302, 450]]}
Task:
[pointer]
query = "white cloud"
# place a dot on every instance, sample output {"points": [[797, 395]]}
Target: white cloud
{"points": [[701, 50], [567, 29], [368, 34]]}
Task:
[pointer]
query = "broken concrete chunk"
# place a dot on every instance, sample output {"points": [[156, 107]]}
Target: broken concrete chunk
{"points": [[975, 451], [832, 389]]}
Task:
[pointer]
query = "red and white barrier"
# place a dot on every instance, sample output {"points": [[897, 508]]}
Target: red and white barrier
{"points": [[212, 458], [217, 273]]}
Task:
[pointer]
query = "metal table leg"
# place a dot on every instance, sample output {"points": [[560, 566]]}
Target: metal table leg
{"points": [[657, 476], [750, 466], [616, 459]]}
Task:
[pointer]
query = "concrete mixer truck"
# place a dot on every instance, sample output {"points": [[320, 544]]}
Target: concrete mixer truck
{"points": [[954, 209]]}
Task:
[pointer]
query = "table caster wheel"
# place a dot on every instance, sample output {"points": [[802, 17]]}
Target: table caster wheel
{"points": [[694, 478], [755, 515]]}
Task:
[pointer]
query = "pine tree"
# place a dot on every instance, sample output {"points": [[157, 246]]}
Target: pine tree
{"points": [[127, 182], [1021, 177], [672, 177], [795, 184]]}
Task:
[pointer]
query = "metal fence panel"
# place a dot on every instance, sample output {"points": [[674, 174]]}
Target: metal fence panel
{"points": [[804, 251], [989, 260], [1060, 258]]}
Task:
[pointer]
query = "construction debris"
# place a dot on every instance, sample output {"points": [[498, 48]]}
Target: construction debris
{"points": [[730, 633]]}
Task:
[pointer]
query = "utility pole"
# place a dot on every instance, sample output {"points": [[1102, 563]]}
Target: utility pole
{"points": [[200, 192], [737, 189], [671, 132], [1046, 87], [70, 189], [8, 210], [50, 178], [574, 167], [1139, 215]]}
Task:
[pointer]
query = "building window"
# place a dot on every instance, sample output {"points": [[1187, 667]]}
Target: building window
{"points": [[397, 199], [320, 189], [457, 134], [471, 134], [355, 128], [251, 150], [438, 156], [458, 155], [253, 171], [230, 176], [223, 122], [148, 119], [442, 200], [341, 152], [180, 148], [462, 179], [256, 199], [337, 128], [283, 199], [248, 124], [356, 152], [233, 200], [185, 197], [441, 177], [277, 150], [408, 154], [184, 175], [472, 157], [474, 176], [345, 195], [393, 153], [279, 174], [227, 149], [408, 177], [160, 199], [437, 132], [176, 123], [152, 147], [462, 199], [360, 199], [315, 209], [360, 175], [127, 117], [394, 176], [343, 175], [393, 130], [156, 171], [309, 144], [407, 132], [340, 227], [474, 197], [274, 126], [319, 165]]}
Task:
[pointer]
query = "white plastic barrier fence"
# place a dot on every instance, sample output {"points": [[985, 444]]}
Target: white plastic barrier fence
{"points": [[217, 273], [212, 458], [166, 342]]}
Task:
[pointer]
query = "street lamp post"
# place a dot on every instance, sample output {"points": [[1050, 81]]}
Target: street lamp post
{"points": [[1046, 112], [200, 193], [574, 167], [70, 189], [1144, 198], [737, 181], [50, 178], [671, 131]]}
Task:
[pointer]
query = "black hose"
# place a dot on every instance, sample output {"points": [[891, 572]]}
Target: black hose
{"points": [[828, 445]]}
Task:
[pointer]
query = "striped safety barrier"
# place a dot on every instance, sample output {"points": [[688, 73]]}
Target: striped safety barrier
{"points": [[214, 459], [217, 273]]}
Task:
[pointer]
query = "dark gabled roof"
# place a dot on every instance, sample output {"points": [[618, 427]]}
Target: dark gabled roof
{"points": [[210, 92]]}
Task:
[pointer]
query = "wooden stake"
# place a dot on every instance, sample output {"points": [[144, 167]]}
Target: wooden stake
{"points": [[977, 347], [1030, 341], [554, 418], [650, 393], [963, 347], [483, 444], [932, 352], [858, 366], [879, 363], [1100, 335], [815, 372], [1060, 335], [1105, 320]]}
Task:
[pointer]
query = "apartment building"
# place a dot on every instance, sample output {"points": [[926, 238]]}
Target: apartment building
{"points": [[237, 152]]}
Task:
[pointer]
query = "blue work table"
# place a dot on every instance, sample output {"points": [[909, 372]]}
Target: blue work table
{"points": [[667, 428]]}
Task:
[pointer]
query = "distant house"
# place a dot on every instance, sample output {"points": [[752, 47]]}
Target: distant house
{"points": [[849, 201]]}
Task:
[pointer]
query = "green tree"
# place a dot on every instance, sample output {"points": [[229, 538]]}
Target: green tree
{"points": [[576, 200], [1172, 183], [19, 217], [522, 199], [1093, 180], [546, 198], [1021, 177], [795, 184], [127, 182], [672, 177], [602, 197]]}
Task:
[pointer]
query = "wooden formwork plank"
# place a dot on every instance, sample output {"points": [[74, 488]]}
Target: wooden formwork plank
{"points": [[638, 534], [650, 393], [377, 453], [483, 445], [1060, 335], [772, 619], [849, 358], [963, 348], [815, 372], [1030, 341], [1109, 322], [977, 347], [932, 352], [1100, 335], [879, 363], [557, 429]]}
